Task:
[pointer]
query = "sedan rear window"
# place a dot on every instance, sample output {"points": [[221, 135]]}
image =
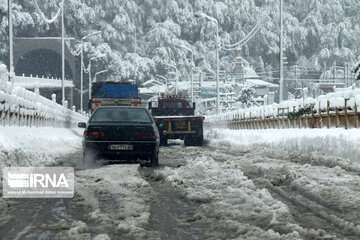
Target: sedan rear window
{"points": [[121, 115]]}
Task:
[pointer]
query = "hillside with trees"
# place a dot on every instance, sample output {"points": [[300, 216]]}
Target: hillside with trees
{"points": [[140, 36]]}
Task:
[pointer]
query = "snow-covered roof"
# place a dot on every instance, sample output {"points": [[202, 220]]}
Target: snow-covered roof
{"points": [[260, 83], [154, 90]]}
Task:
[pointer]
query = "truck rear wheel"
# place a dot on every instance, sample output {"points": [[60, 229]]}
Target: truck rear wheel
{"points": [[193, 141], [199, 141], [163, 140]]}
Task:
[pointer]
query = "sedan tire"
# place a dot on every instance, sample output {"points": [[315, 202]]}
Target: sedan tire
{"points": [[154, 161], [89, 158]]}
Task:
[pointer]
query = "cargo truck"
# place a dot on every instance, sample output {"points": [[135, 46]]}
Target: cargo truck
{"points": [[175, 118], [114, 94]]}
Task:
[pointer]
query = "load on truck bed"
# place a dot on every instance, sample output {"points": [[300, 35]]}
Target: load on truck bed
{"points": [[114, 94], [176, 119]]}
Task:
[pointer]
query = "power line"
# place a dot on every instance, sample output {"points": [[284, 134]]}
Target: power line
{"points": [[47, 20], [236, 46]]}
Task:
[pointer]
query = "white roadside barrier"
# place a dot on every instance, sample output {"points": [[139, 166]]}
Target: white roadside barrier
{"points": [[21, 107]]}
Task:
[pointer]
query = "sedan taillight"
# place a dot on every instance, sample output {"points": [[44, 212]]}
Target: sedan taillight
{"points": [[145, 136], [94, 134]]}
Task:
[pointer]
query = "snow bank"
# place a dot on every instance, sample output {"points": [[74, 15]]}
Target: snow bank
{"points": [[320, 166], [22, 146], [225, 193], [338, 143]]}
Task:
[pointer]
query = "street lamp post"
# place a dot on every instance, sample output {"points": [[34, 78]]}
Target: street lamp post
{"points": [[11, 43], [98, 73], [164, 79], [192, 71], [82, 68], [90, 76], [176, 76], [202, 15], [90, 85]]}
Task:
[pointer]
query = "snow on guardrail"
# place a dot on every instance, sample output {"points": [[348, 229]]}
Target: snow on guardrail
{"points": [[343, 100], [22, 107]]}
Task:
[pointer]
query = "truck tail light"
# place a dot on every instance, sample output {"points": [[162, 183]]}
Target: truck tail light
{"points": [[95, 104], [94, 134], [135, 102]]}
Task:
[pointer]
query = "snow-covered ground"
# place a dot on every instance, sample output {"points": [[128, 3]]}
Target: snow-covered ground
{"points": [[230, 201], [253, 184], [109, 200], [314, 170], [119, 199], [332, 143], [271, 184], [23, 146]]}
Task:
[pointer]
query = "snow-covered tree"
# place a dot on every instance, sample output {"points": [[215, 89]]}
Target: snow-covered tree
{"points": [[310, 26], [247, 96]]}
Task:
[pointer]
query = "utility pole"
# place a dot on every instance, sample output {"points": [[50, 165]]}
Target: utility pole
{"points": [[62, 54], [11, 43], [281, 95]]}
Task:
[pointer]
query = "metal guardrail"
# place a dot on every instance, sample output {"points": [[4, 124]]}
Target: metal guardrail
{"points": [[347, 116]]}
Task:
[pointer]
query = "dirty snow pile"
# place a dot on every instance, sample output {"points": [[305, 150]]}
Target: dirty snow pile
{"points": [[22, 146], [119, 201], [230, 202]]}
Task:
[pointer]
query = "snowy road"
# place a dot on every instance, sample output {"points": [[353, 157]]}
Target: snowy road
{"points": [[220, 191]]}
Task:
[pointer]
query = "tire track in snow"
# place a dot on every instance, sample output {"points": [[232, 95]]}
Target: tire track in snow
{"points": [[299, 202], [345, 228], [172, 215]]}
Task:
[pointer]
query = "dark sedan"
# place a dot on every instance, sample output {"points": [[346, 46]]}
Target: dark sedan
{"points": [[121, 134]]}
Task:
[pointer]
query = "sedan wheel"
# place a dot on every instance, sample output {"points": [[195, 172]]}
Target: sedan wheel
{"points": [[89, 158], [154, 161]]}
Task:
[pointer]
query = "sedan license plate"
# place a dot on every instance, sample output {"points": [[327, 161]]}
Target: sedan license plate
{"points": [[121, 147]]}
